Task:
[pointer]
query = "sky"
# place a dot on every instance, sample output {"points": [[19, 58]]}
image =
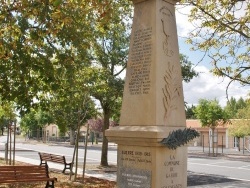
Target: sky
{"points": [[206, 85]]}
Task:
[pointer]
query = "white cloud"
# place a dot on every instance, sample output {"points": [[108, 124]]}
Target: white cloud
{"points": [[183, 25], [207, 86]]}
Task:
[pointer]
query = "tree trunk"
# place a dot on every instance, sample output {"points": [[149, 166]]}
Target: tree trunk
{"points": [[96, 138], [77, 146], [238, 143], [213, 141], [37, 134], [72, 137], [104, 157]]}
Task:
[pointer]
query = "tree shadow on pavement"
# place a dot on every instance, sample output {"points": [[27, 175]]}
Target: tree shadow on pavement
{"points": [[195, 179]]}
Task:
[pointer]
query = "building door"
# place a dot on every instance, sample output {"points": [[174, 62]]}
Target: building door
{"points": [[54, 131], [236, 142]]}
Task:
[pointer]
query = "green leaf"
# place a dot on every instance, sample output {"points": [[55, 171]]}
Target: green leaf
{"points": [[179, 137], [56, 3]]}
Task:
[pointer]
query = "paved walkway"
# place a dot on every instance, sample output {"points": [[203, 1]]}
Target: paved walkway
{"points": [[194, 180]]}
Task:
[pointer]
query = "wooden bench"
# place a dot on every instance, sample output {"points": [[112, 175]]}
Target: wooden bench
{"points": [[45, 157], [25, 174]]}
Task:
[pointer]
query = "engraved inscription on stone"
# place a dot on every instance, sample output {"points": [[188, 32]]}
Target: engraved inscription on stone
{"points": [[135, 158], [141, 58], [134, 169], [172, 165], [134, 178]]}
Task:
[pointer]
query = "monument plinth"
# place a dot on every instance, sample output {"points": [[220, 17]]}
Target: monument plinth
{"points": [[153, 104]]}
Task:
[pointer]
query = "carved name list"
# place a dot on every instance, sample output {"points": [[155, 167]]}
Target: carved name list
{"points": [[141, 58], [133, 171]]}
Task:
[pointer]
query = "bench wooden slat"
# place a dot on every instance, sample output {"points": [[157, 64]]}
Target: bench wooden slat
{"points": [[57, 160], [26, 180], [32, 173]]}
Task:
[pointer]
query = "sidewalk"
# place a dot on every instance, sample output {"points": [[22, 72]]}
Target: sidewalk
{"points": [[232, 154], [92, 171], [195, 180]]}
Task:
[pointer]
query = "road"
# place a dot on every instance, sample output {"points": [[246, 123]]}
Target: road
{"points": [[93, 152], [238, 170]]}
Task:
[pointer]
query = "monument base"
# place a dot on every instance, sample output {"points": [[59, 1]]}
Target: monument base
{"points": [[145, 163]]}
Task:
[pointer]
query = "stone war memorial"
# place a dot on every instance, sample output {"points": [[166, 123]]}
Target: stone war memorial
{"points": [[153, 103]]}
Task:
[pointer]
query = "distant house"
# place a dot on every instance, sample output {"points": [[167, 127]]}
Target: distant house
{"points": [[221, 136], [51, 132]]}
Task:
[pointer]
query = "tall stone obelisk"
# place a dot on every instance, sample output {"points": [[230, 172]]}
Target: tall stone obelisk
{"points": [[153, 104]]}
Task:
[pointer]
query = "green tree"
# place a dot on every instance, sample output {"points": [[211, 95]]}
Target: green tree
{"points": [[222, 33], [240, 125], [7, 114], [233, 106], [239, 128], [72, 111], [241, 103], [190, 112], [211, 115], [72, 98], [43, 118], [35, 33], [187, 70], [244, 113], [3, 120], [33, 122], [43, 39], [110, 53], [29, 124]]}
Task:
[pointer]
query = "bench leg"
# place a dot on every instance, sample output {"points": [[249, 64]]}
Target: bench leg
{"points": [[50, 184], [64, 169], [66, 166], [43, 163]]}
